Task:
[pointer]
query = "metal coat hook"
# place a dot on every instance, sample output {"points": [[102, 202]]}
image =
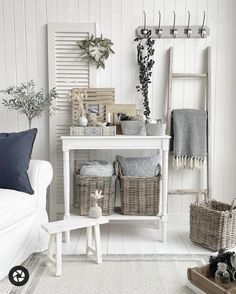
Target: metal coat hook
{"points": [[174, 31], [159, 31], [182, 31], [144, 30], [188, 31], [203, 31]]}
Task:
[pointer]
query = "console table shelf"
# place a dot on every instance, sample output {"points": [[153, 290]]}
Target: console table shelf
{"points": [[71, 143]]}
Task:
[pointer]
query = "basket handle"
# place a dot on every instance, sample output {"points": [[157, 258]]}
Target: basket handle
{"points": [[117, 167], [158, 171], [204, 193], [232, 206]]}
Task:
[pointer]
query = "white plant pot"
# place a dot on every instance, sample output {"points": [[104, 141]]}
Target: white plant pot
{"points": [[155, 129], [82, 121], [95, 211]]}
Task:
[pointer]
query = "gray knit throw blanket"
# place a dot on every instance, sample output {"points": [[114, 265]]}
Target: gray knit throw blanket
{"points": [[189, 138]]}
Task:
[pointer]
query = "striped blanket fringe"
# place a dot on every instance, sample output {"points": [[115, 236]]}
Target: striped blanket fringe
{"points": [[183, 161]]}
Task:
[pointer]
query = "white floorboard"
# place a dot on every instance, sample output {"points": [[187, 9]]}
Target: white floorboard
{"points": [[115, 239], [137, 238]]}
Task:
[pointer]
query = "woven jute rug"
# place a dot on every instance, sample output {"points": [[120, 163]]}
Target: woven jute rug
{"points": [[118, 274]]}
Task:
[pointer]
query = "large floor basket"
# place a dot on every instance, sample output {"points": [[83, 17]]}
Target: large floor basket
{"points": [[139, 195], [85, 185], [213, 223]]}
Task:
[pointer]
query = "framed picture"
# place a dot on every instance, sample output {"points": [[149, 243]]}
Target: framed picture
{"points": [[96, 102], [115, 109], [113, 112], [91, 107]]}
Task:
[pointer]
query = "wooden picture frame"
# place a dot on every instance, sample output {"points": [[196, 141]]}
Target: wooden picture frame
{"points": [[114, 109], [96, 102]]}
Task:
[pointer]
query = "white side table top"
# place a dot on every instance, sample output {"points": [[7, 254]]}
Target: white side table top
{"points": [[73, 223]]}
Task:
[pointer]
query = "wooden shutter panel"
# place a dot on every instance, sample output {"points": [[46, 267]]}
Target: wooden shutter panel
{"points": [[66, 70]]}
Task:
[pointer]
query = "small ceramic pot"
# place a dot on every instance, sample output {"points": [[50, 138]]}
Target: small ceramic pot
{"points": [[155, 129], [82, 121], [95, 211], [133, 128]]}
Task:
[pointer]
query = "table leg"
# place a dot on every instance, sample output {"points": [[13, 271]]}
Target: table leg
{"points": [[66, 173], [51, 249], [164, 218], [89, 241], [98, 243], [58, 253]]}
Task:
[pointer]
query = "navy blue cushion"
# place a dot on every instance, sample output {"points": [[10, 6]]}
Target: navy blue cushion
{"points": [[15, 153]]}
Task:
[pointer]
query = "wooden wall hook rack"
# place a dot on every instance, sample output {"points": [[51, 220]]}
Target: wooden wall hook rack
{"points": [[167, 32], [183, 31]]}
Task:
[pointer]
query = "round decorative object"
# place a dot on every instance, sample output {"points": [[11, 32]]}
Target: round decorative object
{"points": [[82, 121], [97, 49], [222, 275], [95, 211]]}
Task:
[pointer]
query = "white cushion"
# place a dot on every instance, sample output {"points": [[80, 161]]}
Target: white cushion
{"points": [[14, 206]]}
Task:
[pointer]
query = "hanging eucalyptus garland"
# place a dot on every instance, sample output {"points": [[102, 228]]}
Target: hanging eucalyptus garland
{"points": [[145, 52], [97, 49]]}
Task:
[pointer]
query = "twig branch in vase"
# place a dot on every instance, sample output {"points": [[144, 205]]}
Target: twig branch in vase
{"points": [[79, 95]]}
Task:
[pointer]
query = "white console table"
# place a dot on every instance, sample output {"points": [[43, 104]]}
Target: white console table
{"points": [[71, 143]]}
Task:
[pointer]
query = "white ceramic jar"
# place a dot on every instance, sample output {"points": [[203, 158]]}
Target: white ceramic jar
{"points": [[82, 121], [95, 211]]}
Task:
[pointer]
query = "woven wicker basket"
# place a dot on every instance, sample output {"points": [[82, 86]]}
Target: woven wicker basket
{"points": [[139, 195], [85, 185], [213, 223]]}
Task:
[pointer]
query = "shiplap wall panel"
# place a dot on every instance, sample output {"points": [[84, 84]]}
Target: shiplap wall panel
{"points": [[228, 176], [220, 111], [116, 29], [3, 112], [231, 171], [10, 57], [105, 28], [73, 11], [20, 52], [159, 80], [23, 57], [137, 17]]}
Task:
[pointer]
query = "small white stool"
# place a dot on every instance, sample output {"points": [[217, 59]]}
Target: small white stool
{"points": [[55, 230]]}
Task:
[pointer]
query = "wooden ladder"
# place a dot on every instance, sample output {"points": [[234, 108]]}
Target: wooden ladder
{"points": [[207, 107]]}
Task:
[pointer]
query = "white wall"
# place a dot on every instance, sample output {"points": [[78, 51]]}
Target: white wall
{"points": [[23, 56]]}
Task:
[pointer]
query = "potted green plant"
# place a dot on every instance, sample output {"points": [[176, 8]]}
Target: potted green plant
{"points": [[29, 100]]}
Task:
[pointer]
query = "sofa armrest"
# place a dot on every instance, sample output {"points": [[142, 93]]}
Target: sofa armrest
{"points": [[40, 175]]}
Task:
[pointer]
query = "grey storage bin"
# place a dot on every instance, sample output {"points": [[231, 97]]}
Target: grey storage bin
{"points": [[133, 128]]}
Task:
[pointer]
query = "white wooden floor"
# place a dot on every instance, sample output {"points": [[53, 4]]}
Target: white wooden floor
{"points": [[137, 238]]}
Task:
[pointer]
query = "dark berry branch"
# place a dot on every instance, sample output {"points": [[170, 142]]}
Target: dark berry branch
{"points": [[145, 51]]}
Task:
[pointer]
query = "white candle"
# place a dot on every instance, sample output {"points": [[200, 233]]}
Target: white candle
{"points": [[108, 117]]}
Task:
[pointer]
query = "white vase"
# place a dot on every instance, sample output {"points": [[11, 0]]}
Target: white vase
{"points": [[82, 121], [95, 211]]}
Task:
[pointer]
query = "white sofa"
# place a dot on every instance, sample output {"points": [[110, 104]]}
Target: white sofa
{"points": [[21, 216]]}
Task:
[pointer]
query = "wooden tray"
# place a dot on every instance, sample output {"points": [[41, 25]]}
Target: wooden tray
{"points": [[200, 278]]}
